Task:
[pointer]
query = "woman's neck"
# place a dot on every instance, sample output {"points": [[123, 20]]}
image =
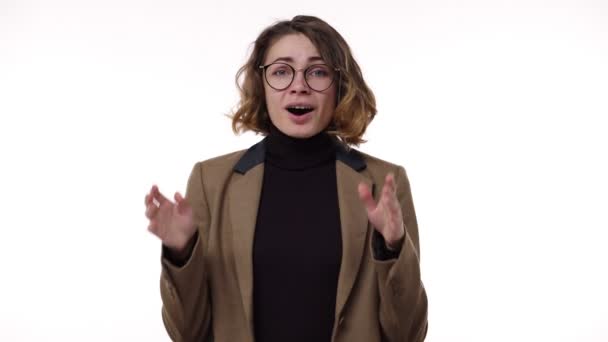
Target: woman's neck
{"points": [[291, 153]]}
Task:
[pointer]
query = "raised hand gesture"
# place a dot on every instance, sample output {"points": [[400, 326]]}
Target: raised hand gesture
{"points": [[173, 223], [385, 216]]}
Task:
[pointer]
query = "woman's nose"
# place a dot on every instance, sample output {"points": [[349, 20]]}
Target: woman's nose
{"points": [[299, 84]]}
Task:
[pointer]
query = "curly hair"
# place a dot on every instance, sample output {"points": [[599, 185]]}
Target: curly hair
{"points": [[356, 104]]}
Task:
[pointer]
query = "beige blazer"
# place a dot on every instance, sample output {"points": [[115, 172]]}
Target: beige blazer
{"points": [[210, 297]]}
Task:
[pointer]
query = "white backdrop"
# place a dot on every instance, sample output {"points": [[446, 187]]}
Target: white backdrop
{"points": [[496, 108]]}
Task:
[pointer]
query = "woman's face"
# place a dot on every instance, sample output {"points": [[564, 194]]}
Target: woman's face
{"points": [[298, 110]]}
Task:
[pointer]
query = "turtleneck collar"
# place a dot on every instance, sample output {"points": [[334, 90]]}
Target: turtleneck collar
{"points": [[291, 153]]}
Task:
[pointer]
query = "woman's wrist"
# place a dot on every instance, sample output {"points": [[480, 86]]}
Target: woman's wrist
{"points": [[181, 255]]}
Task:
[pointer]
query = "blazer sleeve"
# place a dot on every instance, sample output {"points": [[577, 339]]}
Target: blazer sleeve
{"points": [[184, 289], [403, 300]]}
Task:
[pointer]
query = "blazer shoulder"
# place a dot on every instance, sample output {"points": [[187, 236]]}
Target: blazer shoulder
{"points": [[225, 161], [376, 164], [218, 167]]}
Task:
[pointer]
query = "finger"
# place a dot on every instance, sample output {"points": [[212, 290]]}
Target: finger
{"points": [[153, 227], [181, 202], [390, 190], [149, 199], [396, 216], [386, 190], [153, 189], [390, 182], [387, 203], [394, 209], [366, 197], [158, 196], [152, 193], [151, 211], [390, 197]]}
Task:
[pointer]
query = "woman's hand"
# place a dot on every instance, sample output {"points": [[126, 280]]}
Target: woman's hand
{"points": [[385, 216], [172, 222]]}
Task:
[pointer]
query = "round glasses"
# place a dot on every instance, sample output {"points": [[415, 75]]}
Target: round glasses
{"points": [[318, 77]]}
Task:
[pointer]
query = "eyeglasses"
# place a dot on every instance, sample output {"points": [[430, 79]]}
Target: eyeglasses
{"points": [[318, 77]]}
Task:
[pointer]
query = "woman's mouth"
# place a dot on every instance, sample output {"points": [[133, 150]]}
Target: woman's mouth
{"points": [[299, 110]]}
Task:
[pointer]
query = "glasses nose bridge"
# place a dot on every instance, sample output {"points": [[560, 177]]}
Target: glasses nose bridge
{"points": [[295, 76]]}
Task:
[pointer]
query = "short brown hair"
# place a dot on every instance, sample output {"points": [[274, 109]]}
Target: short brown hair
{"points": [[356, 105]]}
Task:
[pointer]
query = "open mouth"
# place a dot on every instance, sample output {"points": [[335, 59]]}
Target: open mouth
{"points": [[299, 110]]}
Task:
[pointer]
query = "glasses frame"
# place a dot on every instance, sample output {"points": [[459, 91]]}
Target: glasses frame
{"points": [[295, 71]]}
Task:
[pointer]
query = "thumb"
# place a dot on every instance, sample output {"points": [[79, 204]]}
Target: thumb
{"points": [[181, 202], [365, 195]]}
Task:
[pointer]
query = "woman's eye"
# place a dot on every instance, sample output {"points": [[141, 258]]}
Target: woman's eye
{"points": [[318, 73], [281, 72]]}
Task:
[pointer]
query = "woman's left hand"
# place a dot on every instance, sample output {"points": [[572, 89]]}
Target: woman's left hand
{"points": [[385, 216]]}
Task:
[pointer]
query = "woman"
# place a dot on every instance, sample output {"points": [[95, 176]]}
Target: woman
{"points": [[288, 240]]}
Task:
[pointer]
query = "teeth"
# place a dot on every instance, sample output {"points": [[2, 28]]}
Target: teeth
{"points": [[300, 107]]}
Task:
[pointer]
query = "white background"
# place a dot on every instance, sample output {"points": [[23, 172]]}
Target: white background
{"points": [[496, 108]]}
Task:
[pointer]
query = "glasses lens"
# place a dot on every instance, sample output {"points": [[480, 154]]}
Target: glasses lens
{"points": [[279, 75], [319, 77]]}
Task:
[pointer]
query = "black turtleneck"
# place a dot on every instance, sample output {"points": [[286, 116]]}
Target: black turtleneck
{"points": [[297, 247]]}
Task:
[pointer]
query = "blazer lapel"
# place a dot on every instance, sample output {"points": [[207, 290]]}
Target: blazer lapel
{"points": [[244, 198], [354, 222]]}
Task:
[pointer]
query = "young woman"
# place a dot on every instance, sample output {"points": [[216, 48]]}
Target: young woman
{"points": [[300, 237]]}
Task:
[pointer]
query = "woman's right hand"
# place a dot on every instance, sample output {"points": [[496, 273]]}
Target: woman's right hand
{"points": [[173, 223]]}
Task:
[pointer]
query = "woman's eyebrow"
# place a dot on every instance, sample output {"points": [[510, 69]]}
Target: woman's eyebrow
{"points": [[291, 60]]}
